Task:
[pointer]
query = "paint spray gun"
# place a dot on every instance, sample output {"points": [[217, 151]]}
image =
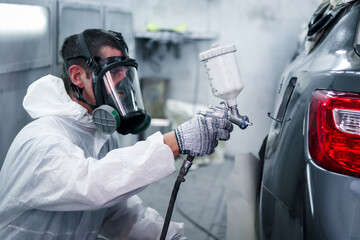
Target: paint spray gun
{"points": [[225, 82]]}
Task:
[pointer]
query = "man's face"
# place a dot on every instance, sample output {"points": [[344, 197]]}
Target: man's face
{"points": [[118, 73]]}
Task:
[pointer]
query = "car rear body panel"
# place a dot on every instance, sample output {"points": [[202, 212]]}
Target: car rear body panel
{"points": [[332, 204], [291, 207]]}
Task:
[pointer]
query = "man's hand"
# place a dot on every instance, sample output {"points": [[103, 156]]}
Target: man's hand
{"points": [[199, 136]]}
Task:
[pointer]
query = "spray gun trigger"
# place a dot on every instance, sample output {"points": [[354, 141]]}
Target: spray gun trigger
{"points": [[225, 103]]}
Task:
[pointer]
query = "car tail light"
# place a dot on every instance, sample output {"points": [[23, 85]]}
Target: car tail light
{"points": [[334, 131]]}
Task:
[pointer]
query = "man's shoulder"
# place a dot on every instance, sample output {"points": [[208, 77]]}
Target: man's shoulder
{"points": [[44, 129], [47, 124]]}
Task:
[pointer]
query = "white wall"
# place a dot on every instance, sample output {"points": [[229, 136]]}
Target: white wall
{"points": [[265, 34]]}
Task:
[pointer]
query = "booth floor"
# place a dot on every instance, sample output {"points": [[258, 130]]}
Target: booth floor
{"points": [[200, 203]]}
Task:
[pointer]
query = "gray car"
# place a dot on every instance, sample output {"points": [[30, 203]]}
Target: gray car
{"points": [[311, 157]]}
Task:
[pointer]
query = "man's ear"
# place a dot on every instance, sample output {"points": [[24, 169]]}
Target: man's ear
{"points": [[75, 73]]}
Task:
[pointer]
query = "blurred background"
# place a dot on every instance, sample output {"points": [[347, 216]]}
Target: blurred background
{"points": [[265, 34]]}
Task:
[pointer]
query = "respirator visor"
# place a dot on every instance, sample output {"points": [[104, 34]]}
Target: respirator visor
{"points": [[118, 86], [122, 89]]}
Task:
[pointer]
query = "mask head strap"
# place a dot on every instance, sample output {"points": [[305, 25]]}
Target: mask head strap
{"points": [[89, 60], [120, 41]]}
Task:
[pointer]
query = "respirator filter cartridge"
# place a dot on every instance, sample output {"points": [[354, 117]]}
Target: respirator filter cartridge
{"points": [[106, 119]]}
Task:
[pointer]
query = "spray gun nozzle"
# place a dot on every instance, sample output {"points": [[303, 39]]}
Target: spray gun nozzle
{"points": [[244, 123], [234, 117]]}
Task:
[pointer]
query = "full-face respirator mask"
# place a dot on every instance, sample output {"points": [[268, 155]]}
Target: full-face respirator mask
{"points": [[119, 106]]}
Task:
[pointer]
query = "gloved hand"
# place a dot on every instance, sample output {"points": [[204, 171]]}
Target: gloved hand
{"points": [[199, 136]]}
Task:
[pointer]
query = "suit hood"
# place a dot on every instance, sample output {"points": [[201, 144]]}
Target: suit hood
{"points": [[47, 97]]}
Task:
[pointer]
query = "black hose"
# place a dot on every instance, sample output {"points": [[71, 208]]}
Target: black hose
{"points": [[170, 209], [182, 173]]}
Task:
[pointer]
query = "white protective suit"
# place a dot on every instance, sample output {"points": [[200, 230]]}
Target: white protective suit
{"points": [[63, 179]]}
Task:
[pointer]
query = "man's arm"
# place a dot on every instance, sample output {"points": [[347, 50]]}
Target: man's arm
{"points": [[170, 140]]}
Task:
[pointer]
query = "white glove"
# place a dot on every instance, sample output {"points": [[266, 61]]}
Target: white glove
{"points": [[199, 136]]}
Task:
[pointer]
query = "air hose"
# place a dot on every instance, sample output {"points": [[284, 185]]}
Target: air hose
{"points": [[181, 178]]}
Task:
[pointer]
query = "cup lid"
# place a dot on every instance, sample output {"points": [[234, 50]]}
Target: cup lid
{"points": [[216, 50]]}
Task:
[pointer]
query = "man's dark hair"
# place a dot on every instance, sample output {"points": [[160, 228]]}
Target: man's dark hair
{"points": [[95, 39]]}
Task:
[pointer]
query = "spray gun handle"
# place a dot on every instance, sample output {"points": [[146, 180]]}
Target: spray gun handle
{"points": [[229, 113]]}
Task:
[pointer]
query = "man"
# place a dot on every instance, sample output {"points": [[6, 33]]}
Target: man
{"points": [[64, 176]]}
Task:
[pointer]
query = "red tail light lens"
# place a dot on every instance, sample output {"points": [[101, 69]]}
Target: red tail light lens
{"points": [[334, 131]]}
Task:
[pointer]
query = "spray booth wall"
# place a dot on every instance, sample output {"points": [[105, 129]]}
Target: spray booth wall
{"points": [[265, 35]]}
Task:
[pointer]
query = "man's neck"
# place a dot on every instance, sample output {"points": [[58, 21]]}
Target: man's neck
{"points": [[81, 103]]}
